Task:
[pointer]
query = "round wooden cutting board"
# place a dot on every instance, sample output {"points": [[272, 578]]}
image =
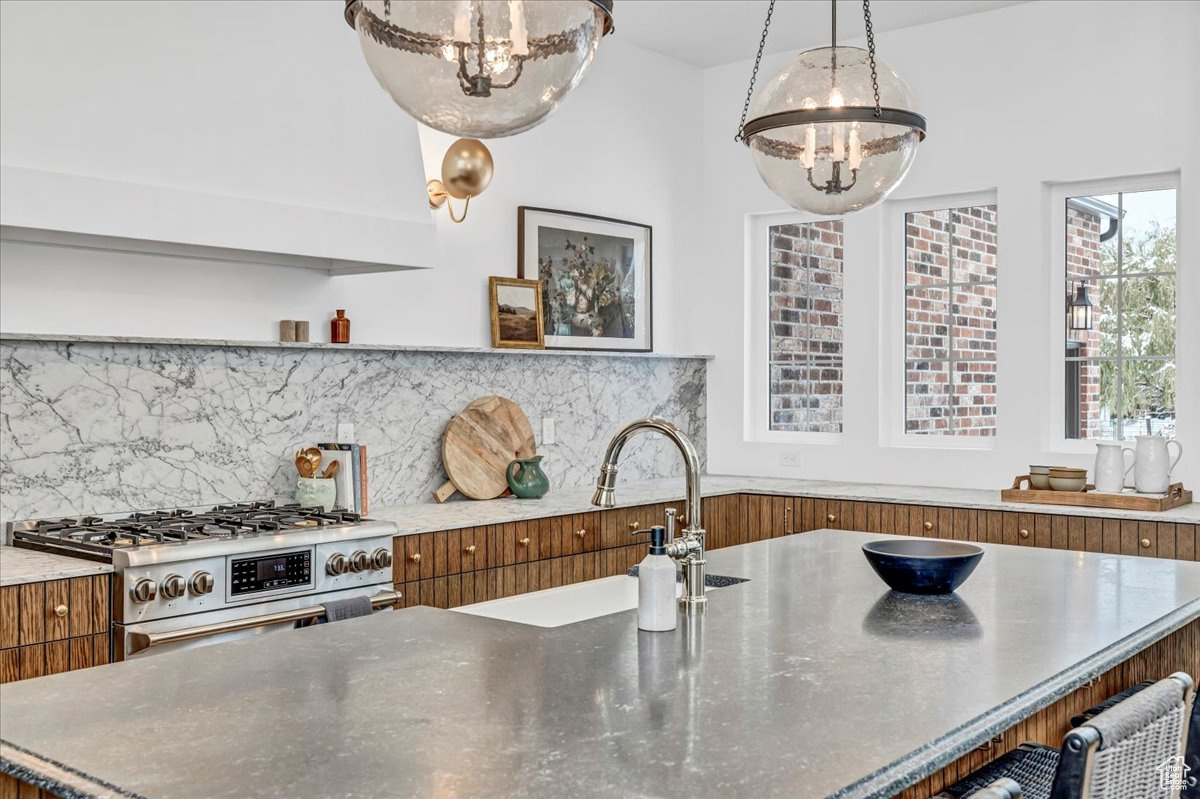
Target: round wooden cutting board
{"points": [[481, 441]]}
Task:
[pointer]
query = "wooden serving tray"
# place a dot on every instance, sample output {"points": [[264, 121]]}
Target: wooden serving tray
{"points": [[1175, 497]]}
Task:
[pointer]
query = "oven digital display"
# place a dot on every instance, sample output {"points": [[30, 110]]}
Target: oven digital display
{"points": [[270, 573]]}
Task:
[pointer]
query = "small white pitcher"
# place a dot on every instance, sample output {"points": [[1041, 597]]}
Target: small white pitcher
{"points": [[1152, 469], [1110, 471]]}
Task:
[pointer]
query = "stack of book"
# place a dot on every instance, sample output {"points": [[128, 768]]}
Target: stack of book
{"points": [[351, 477]]}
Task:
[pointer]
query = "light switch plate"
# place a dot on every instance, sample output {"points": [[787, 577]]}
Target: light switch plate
{"points": [[547, 430], [345, 432]]}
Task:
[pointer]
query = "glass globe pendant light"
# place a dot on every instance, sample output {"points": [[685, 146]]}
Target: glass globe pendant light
{"points": [[479, 68], [836, 130]]}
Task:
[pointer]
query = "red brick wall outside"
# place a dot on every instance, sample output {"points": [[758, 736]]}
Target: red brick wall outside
{"points": [[1083, 263], [950, 321], [806, 327]]}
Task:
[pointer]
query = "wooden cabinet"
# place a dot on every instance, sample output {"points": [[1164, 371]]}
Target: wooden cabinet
{"points": [[53, 626], [458, 567]]}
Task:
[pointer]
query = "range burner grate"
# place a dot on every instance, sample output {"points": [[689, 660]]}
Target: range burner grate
{"points": [[178, 526]]}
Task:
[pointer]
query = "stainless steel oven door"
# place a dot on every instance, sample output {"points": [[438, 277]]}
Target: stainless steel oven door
{"points": [[216, 626]]}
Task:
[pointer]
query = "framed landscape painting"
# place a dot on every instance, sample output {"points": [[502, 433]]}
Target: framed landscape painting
{"points": [[516, 311], [595, 276]]}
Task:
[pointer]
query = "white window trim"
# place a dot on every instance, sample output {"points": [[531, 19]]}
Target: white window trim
{"points": [[1058, 193], [757, 395], [892, 274]]}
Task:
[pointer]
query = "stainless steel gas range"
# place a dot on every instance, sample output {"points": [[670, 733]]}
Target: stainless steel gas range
{"points": [[186, 578]]}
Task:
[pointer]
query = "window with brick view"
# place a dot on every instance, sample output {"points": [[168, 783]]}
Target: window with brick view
{"points": [[806, 327], [1120, 374], [950, 321]]}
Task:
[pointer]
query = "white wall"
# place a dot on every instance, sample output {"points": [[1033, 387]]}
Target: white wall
{"points": [[312, 127], [1015, 98]]}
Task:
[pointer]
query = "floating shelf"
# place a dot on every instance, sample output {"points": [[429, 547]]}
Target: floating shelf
{"points": [[95, 213], [70, 338]]}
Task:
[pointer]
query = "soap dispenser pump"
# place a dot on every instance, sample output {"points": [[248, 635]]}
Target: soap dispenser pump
{"points": [[656, 584]]}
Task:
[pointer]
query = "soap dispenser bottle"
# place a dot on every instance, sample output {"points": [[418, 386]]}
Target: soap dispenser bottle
{"points": [[656, 584]]}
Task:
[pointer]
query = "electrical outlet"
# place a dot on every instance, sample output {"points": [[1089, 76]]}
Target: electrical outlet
{"points": [[790, 459], [547, 430], [345, 432]]}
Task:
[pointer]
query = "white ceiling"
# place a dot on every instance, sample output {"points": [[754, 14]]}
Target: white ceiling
{"points": [[707, 33]]}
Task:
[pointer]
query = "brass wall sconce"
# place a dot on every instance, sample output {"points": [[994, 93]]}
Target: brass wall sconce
{"points": [[466, 172]]}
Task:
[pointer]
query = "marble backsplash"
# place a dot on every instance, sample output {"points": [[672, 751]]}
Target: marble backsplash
{"points": [[113, 426]]}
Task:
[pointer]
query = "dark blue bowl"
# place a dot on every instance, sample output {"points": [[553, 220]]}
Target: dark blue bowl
{"points": [[922, 566]]}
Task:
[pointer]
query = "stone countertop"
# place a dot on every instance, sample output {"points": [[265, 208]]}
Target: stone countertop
{"points": [[19, 566], [810, 680], [425, 518], [23, 566]]}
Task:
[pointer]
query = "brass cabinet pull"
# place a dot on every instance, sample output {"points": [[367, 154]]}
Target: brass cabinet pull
{"points": [[928, 525], [1145, 543], [524, 542], [787, 519], [831, 517], [470, 550], [415, 557], [1024, 533], [60, 610], [580, 533], [635, 525]]}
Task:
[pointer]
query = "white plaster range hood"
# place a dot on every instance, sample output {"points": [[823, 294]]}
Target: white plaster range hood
{"points": [[77, 211], [248, 132]]}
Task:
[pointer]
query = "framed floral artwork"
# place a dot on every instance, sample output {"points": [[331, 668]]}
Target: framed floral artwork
{"points": [[595, 275]]}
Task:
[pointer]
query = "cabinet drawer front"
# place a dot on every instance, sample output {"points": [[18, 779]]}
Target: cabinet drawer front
{"points": [[10, 604], [573, 534]]}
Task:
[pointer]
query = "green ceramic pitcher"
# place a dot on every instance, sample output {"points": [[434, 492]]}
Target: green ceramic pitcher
{"points": [[526, 478]]}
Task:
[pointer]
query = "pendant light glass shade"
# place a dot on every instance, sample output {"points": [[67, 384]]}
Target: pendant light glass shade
{"points": [[479, 68], [824, 141]]}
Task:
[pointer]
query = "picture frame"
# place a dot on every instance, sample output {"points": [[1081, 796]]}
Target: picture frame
{"points": [[516, 312], [596, 275]]}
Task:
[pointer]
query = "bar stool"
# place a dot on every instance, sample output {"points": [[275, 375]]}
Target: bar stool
{"points": [[1120, 753], [1003, 788]]}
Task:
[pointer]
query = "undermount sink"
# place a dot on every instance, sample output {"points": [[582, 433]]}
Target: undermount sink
{"points": [[556, 607]]}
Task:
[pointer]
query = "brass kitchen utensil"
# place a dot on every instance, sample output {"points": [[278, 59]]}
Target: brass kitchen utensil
{"points": [[314, 457], [304, 465], [332, 469]]}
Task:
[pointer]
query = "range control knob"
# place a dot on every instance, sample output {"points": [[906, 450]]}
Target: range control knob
{"points": [[143, 590], [381, 558], [173, 586], [337, 564], [359, 561], [201, 583]]}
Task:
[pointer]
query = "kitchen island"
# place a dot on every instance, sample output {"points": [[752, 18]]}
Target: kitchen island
{"points": [[810, 680]]}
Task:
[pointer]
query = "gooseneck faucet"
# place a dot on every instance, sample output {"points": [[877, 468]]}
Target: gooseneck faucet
{"points": [[688, 548]]}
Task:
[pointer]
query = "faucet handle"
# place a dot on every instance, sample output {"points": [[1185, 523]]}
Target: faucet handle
{"points": [[671, 524]]}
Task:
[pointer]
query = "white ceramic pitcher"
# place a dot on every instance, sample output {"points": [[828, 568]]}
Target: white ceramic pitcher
{"points": [[1110, 472], [1152, 467]]}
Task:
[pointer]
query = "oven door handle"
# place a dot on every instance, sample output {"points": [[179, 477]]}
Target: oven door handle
{"points": [[142, 641]]}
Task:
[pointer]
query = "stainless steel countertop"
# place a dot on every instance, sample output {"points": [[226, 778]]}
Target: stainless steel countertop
{"points": [[810, 680]]}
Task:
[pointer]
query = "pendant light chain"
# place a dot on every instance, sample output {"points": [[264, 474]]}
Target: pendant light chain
{"points": [[754, 74], [871, 54]]}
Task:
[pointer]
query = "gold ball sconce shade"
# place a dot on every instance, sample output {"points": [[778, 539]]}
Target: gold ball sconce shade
{"points": [[466, 171]]}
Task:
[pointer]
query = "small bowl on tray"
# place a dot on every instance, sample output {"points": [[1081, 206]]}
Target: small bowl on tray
{"points": [[922, 565], [1065, 479]]}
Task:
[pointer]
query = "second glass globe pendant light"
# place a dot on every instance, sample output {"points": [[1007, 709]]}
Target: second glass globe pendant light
{"points": [[836, 130], [479, 68]]}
